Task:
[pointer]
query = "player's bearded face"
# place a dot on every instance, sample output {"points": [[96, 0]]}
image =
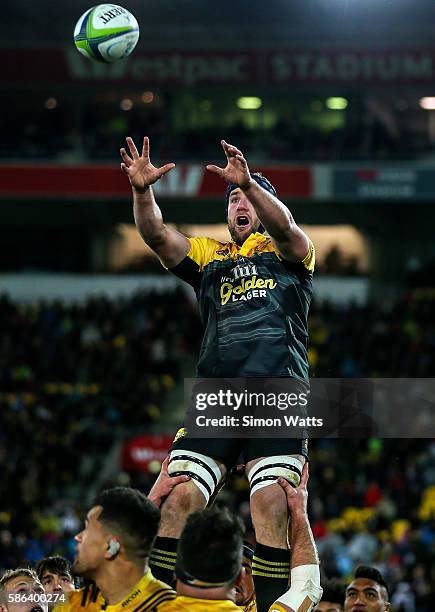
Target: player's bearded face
{"points": [[245, 586], [91, 545], [242, 218]]}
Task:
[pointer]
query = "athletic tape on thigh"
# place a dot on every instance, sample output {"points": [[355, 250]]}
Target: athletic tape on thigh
{"points": [[203, 470], [268, 470]]}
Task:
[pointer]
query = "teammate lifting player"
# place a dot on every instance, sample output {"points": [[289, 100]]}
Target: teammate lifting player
{"points": [[264, 335]]}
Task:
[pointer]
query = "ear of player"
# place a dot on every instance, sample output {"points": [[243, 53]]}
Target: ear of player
{"points": [[113, 547]]}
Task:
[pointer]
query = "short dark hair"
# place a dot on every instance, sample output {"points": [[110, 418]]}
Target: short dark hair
{"points": [[210, 548], [55, 565], [371, 573], [131, 515], [333, 591]]}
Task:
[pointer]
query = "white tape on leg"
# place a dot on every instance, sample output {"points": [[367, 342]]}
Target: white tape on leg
{"points": [[268, 470], [203, 470]]}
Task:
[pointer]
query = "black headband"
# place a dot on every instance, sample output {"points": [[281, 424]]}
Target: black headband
{"points": [[258, 178], [190, 580]]}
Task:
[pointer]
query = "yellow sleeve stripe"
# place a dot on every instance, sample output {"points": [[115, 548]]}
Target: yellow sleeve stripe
{"points": [[164, 553], [271, 570], [266, 562], [309, 260], [156, 558], [278, 576], [165, 565]]}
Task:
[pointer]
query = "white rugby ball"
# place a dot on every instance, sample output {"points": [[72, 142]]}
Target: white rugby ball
{"points": [[106, 33]]}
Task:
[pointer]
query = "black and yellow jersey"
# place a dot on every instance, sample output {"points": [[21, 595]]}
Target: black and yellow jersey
{"points": [[253, 305], [148, 595], [88, 597], [191, 604], [251, 606]]}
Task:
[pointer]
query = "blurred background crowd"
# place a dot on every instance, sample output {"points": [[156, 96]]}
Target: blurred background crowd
{"points": [[78, 379], [53, 128], [334, 102]]}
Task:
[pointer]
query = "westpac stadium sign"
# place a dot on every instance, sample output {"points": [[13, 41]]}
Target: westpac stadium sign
{"points": [[381, 67]]}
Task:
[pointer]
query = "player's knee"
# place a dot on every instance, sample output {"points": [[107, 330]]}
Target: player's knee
{"points": [[183, 499], [204, 471], [270, 503]]}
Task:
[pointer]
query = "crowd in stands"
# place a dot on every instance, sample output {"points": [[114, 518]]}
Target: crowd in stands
{"points": [[74, 377], [61, 130]]}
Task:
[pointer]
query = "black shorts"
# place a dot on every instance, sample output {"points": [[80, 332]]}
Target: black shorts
{"points": [[233, 451]]}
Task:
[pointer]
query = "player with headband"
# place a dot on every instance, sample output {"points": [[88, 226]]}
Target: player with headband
{"points": [[254, 294]]}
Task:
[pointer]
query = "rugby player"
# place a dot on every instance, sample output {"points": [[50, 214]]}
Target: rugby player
{"points": [[254, 294], [367, 592], [332, 597], [55, 576], [209, 565], [113, 551], [245, 590], [21, 591]]}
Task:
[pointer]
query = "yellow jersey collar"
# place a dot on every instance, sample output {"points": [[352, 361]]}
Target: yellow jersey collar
{"points": [[251, 242], [136, 591], [207, 603]]}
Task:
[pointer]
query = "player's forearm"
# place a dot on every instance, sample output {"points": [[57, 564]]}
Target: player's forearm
{"points": [[148, 217], [304, 551], [272, 213], [305, 590]]}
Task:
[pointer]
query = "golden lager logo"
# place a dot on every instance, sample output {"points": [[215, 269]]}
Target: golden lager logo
{"points": [[246, 289]]}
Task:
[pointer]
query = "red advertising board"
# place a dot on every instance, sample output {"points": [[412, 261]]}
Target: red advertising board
{"points": [[184, 181], [139, 452]]}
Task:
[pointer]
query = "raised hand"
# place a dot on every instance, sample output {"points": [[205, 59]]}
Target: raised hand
{"points": [[236, 171], [140, 171], [164, 484], [296, 497]]}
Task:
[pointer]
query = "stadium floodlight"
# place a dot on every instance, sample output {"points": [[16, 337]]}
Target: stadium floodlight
{"points": [[249, 103], [147, 97], [50, 103], [126, 104], [428, 102], [335, 103]]}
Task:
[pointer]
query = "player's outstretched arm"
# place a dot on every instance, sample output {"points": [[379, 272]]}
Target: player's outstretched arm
{"points": [[171, 246], [305, 591], [289, 239]]}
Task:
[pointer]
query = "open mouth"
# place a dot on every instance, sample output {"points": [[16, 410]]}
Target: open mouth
{"points": [[242, 220], [37, 609]]}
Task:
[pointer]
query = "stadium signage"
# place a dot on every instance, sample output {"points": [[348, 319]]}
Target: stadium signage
{"points": [[298, 67], [182, 68], [391, 183], [351, 66]]}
